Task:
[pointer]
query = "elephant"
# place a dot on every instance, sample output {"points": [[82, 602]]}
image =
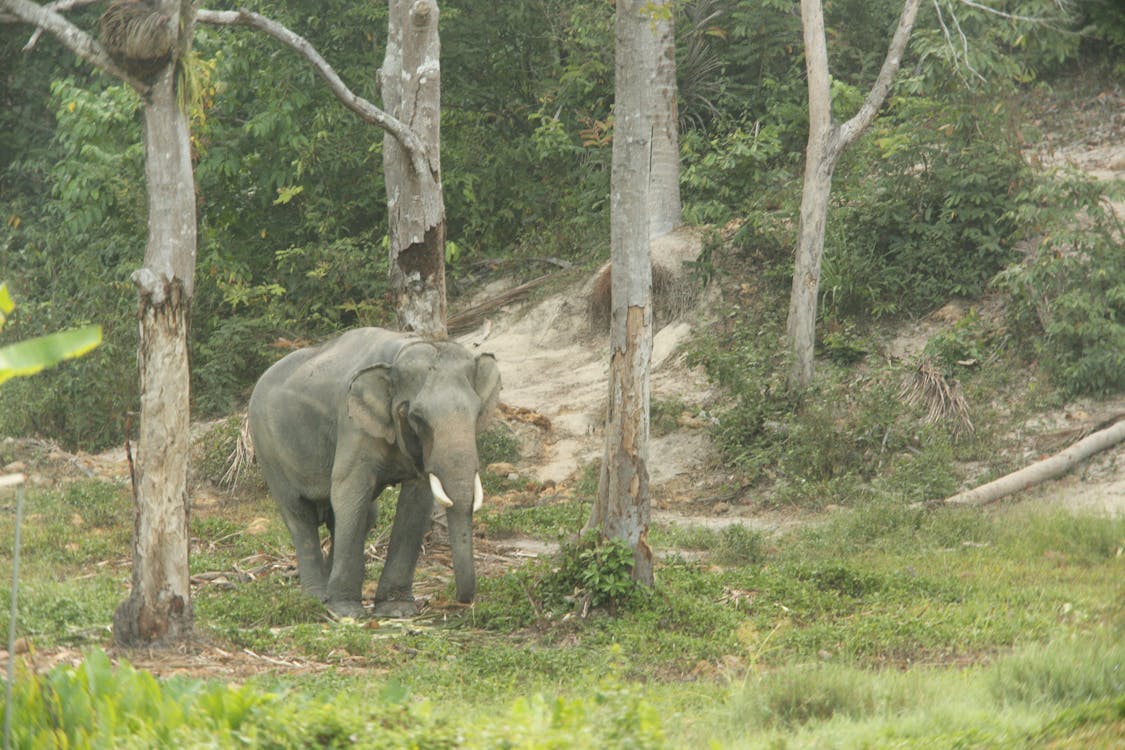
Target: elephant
{"points": [[333, 425]]}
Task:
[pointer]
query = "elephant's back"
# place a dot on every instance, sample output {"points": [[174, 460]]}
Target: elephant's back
{"points": [[334, 361], [310, 383]]}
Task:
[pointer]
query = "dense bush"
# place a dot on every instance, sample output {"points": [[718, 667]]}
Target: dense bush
{"points": [[1068, 295]]}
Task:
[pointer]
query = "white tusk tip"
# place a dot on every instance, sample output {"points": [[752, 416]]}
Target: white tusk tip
{"points": [[439, 492]]}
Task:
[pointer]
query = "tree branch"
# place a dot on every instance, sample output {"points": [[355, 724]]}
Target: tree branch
{"points": [[72, 37], [357, 104], [851, 129], [962, 56]]}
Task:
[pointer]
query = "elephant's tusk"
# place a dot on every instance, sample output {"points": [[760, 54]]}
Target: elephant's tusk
{"points": [[478, 494], [439, 492]]}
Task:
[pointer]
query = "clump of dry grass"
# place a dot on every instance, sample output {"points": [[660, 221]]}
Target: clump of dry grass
{"points": [[943, 399]]}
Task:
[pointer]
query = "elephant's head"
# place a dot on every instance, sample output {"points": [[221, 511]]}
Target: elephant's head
{"points": [[430, 403]]}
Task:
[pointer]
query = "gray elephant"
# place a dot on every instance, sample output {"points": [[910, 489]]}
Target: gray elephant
{"points": [[335, 424]]}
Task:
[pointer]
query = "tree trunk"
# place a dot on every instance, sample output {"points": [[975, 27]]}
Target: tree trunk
{"points": [[827, 141], [411, 87], [622, 510], [665, 211], [158, 610]]}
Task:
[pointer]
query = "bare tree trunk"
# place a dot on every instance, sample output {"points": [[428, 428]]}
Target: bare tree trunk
{"points": [[827, 141], [821, 154], [411, 87], [158, 610], [622, 510], [665, 211]]}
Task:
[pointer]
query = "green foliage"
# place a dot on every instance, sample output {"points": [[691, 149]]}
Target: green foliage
{"points": [[731, 545], [69, 243], [99, 705], [851, 438], [799, 695], [1068, 297], [292, 206], [970, 342], [600, 570], [34, 355], [724, 173], [930, 213], [805, 633]]}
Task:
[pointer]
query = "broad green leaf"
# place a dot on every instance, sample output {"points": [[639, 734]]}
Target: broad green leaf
{"points": [[31, 356]]}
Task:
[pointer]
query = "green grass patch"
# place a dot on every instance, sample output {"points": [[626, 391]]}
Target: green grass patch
{"points": [[882, 624]]}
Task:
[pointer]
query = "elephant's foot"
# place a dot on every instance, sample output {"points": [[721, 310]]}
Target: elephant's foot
{"points": [[392, 608], [352, 609], [320, 593]]}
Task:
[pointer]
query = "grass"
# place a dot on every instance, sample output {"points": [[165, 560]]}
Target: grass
{"points": [[883, 625]]}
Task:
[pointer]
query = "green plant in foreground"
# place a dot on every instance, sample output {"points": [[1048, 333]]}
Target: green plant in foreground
{"points": [[31, 356]]}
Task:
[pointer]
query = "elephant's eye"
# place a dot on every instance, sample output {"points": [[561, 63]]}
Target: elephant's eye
{"points": [[419, 424]]}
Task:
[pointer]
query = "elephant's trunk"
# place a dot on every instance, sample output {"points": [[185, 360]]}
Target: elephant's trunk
{"points": [[460, 521], [466, 497]]}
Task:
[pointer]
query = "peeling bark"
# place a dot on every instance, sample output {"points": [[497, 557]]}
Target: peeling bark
{"points": [[411, 85], [622, 510], [158, 610]]}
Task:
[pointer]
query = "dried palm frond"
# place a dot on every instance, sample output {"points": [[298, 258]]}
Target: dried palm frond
{"points": [[136, 34], [942, 398], [240, 458]]}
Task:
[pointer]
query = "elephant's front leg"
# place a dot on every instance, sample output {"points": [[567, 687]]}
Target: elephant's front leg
{"points": [[351, 510], [394, 597]]}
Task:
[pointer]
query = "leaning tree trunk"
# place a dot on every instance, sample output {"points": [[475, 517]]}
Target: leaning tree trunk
{"points": [[665, 211], [622, 510], [827, 141], [411, 87], [159, 609]]}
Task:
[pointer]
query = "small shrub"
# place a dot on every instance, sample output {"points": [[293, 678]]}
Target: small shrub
{"points": [[664, 416], [738, 545], [215, 450], [970, 342], [498, 444], [598, 570]]}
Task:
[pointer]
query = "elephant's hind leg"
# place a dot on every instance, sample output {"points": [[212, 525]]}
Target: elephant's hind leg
{"points": [[303, 521]]}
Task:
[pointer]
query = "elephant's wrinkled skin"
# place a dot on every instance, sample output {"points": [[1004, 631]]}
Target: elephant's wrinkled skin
{"points": [[335, 424]]}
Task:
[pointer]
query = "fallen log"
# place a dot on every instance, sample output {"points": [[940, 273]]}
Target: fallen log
{"points": [[1041, 471]]}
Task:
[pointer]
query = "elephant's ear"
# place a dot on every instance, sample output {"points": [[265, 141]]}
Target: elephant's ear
{"points": [[369, 402], [486, 382]]}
